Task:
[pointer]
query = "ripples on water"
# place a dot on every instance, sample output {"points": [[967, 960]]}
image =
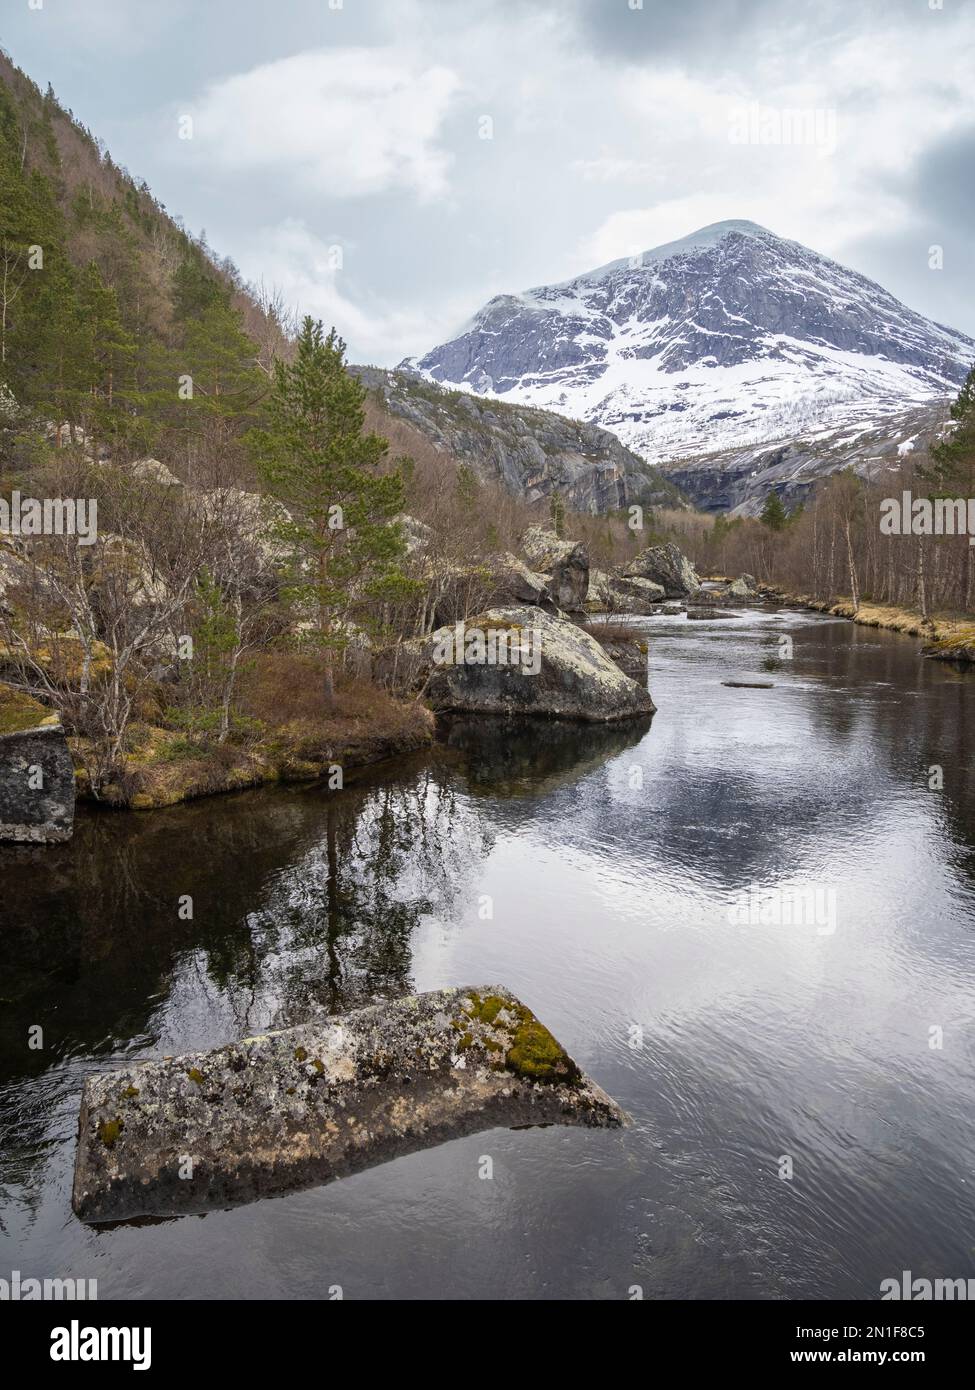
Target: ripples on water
{"points": [[610, 856]]}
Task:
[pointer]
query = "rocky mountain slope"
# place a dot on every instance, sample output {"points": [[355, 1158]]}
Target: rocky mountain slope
{"points": [[740, 479], [533, 452], [727, 342]]}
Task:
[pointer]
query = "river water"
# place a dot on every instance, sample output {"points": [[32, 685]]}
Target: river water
{"points": [[612, 861]]}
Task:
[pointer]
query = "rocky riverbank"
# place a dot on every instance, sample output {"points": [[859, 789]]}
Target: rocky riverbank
{"points": [[534, 650], [163, 767]]}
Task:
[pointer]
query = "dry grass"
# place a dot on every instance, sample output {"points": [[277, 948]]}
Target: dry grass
{"points": [[613, 632], [943, 631]]}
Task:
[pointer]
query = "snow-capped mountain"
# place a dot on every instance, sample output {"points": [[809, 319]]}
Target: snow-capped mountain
{"points": [[731, 338]]}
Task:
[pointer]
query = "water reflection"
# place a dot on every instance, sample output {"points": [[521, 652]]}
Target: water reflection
{"points": [[606, 856]]}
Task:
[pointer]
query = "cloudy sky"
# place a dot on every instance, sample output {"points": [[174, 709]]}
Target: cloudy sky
{"points": [[456, 149]]}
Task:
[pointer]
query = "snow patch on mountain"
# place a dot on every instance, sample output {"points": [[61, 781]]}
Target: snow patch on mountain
{"points": [[729, 338]]}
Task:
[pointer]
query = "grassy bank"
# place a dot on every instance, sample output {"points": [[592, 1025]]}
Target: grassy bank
{"points": [[946, 636], [164, 766]]}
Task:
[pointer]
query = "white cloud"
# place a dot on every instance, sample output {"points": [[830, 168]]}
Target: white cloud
{"points": [[344, 122], [290, 257]]}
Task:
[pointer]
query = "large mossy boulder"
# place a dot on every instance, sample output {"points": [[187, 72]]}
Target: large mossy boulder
{"points": [[524, 661], [288, 1110], [37, 786], [565, 563], [667, 566]]}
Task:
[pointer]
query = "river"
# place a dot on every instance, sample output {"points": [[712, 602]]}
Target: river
{"points": [[596, 873]]}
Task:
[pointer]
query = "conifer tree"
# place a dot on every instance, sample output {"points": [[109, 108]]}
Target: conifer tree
{"points": [[317, 460], [773, 514]]}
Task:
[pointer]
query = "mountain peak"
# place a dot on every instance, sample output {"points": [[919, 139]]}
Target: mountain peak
{"points": [[710, 235], [729, 337]]}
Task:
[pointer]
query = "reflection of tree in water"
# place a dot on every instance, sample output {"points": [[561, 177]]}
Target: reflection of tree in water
{"points": [[336, 930], [304, 901], [301, 898]]}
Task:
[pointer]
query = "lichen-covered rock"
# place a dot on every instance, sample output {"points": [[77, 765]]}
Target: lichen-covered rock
{"points": [[631, 595], [741, 588], [516, 583], [155, 471], [534, 664], [599, 593], [565, 562], [665, 565], [37, 786], [289, 1110], [629, 653]]}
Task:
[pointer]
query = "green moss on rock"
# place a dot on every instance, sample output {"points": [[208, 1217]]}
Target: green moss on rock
{"points": [[19, 712], [109, 1131], [535, 1055], [530, 1050]]}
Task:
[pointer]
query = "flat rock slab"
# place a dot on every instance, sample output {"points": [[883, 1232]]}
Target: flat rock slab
{"points": [[289, 1110], [750, 685]]}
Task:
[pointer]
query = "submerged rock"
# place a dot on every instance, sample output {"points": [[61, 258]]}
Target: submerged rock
{"points": [[37, 786], [524, 661], [289, 1110]]}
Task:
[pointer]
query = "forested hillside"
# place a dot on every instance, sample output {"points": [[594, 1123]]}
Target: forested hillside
{"points": [[117, 326]]}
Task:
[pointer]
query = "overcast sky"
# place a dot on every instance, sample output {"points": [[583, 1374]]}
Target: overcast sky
{"points": [[611, 128]]}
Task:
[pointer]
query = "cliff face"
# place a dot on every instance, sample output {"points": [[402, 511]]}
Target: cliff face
{"points": [[533, 453]]}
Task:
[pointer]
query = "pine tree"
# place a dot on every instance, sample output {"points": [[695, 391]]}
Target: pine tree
{"points": [[953, 460], [316, 459], [773, 514], [107, 396], [951, 472]]}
